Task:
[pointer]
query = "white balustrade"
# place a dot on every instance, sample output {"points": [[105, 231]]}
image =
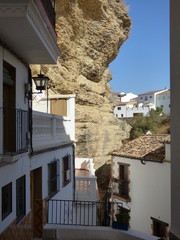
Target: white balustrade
{"points": [[86, 188], [50, 129]]}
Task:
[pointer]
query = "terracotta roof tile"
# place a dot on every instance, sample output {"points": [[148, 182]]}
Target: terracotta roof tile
{"points": [[146, 147]]}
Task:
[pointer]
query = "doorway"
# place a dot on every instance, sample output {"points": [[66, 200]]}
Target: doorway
{"points": [[36, 202]]}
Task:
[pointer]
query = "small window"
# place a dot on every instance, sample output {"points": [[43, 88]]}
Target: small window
{"points": [[150, 96], [162, 106], [53, 178], [66, 169], [119, 108], [122, 115], [121, 184], [20, 198], [6, 200], [169, 105], [141, 97], [145, 98]]}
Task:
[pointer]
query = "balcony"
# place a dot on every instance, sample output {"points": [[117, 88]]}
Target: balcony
{"points": [[14, 123], [50, 130], [28, 29], [85, 188], [87, 220]]}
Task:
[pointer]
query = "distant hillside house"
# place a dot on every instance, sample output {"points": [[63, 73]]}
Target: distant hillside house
{"points": [[143, 104], [140, 180]]}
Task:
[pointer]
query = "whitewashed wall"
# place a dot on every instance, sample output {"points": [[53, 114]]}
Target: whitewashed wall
{"points": [[164, 100], [21, 79], [149, 192], [42, 160], [10, 173], [128, 111]]}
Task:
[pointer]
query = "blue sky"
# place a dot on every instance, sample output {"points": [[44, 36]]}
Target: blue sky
{"points": [[143, 62]]}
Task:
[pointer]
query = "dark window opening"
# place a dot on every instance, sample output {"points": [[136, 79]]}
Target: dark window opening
{"points": [[20, 198], [53, 178], [66, 169], [6, 200]]}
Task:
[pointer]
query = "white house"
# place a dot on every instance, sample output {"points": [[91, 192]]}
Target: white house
{"points": [[36, 148], [141, 182], [130, 109], [143, 104], [163, 101], [127, 97]]}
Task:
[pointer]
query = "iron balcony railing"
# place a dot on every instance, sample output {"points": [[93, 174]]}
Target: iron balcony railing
{"points": [[14, 130], [83, 213], [49, 10]]}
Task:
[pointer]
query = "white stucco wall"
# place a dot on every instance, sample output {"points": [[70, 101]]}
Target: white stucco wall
{"points": [[42, 160], [164, 100], [21, 79], [149, 192], [128, 111], [10, 173], [128, 97]]}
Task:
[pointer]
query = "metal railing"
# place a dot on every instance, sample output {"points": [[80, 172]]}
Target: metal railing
{"points": [[50, 11], [83, 213], [15, 127]]}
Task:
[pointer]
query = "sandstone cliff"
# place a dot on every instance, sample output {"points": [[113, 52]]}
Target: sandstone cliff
{"points": [[90, 33]]}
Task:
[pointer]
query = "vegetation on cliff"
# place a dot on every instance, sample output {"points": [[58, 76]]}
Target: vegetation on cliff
{"points": [[156, 123]]}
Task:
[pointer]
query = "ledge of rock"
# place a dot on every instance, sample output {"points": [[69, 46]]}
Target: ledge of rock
{"points": [[90, 33]]}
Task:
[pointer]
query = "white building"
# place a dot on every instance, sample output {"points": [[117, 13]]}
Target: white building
{"points": [[163, 101], [130, 109], [127, 97], [143, 104], [36, 149], [141, 182]]}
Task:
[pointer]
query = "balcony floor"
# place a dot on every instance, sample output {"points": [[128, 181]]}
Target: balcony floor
{"points": [[69, 232]]}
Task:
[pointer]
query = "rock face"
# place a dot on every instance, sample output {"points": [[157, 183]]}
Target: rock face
{"points": [[90, 33]]}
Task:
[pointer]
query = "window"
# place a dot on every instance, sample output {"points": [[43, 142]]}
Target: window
{"points": [[122, 115], [150, 96], [145, 98], [119, 108], [6, 200], [159, 228], [162, 106], [66, 169], [124, 181], [20, 198], [53, 178], [141, 97]]}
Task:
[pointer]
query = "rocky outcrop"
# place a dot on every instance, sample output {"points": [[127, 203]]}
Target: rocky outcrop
{"points": [[90, 33]]}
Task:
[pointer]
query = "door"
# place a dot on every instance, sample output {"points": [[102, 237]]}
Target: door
{"points": [[9, 112], [36, 202]]}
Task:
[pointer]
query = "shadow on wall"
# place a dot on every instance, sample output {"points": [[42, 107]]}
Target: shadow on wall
{"points": [[103, 175]]}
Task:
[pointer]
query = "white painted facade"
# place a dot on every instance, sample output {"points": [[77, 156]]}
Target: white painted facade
{"points": [[149, 191], [145, 102], [127, 97], [52, 137], [129, 110], [163, 100]]}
